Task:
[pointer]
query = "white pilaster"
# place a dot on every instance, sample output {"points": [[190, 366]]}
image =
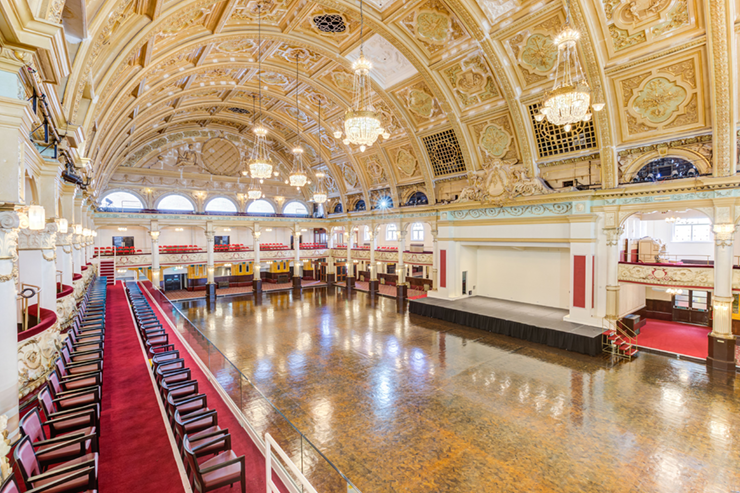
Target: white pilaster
{"points": [[9, 227], [722, 300]]}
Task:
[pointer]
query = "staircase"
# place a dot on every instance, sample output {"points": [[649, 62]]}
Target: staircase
{"points": [[108, 269], [619, 340]]}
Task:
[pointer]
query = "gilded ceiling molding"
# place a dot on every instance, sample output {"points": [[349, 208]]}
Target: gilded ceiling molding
{"points": [[603, 118], [615, 69], [723, 81]]}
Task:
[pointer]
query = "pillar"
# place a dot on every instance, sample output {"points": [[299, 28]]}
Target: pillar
{"points": [[9, 228], [78, 240], [330, 273], [721, 339], [435, 260], [156, 281], [64, 257], [612, 272], [297, 257], [401, 286], [37, 266], [350, 281], [210, 267], [257, 279], [373, 284]]}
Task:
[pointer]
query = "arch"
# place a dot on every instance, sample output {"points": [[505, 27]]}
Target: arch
{"points": [[360, 205], [260, 206], [391, 232], [338, 209], [417, 198], [175, 202], [624, 215], [30, 191], [417, 231], [697, 159], [122, 199], [221, 204], [296, 207]]}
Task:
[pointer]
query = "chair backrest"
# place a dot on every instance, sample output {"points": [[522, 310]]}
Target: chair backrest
{"points": [[54, 384], [31, 426], [192, 462], [45, 399], [25, 457], [60, 367], [9, 485]]}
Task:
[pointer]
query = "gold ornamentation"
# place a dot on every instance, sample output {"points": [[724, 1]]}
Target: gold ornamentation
{"points": [[495, 141], [433, 26], [667, 276], [539, 53], [406, 162], [659, 99], [499, 182]]}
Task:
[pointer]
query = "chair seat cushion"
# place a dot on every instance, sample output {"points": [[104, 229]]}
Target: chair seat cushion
{"points": [[73, 424], [77, 401], [61, 454], [198, 425], [223, 476], [81, 383]]}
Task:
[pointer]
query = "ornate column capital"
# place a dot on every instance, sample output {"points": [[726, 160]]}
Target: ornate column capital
{"points": [[210, 236], [10, 223], [724, 235], [44, 240], [612, 235]]}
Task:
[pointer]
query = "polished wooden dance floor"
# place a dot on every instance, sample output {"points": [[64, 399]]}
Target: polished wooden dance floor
{"points": [[404, 403]]}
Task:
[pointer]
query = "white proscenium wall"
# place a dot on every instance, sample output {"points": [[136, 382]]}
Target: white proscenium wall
{"points": [[539, 276]]}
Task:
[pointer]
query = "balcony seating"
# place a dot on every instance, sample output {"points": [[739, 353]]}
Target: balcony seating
{"points": [[110, 251], [273, 246], [237, 247], [387, 249], [312, 246], [194, 424], [179, 249]]}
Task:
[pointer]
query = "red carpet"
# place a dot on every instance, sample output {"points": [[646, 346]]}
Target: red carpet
{"points": [[241, 442], [675, 337], [135, 451]]}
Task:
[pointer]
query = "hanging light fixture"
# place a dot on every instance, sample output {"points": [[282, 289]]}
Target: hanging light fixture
{"points": [[36, 217], [569, 101], [63, 225], [320, 195], [361, 123], [297, 176], [254, 192], [260, 164]]}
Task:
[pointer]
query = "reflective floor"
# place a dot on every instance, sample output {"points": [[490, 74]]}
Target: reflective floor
{"points": [[404, 403]]}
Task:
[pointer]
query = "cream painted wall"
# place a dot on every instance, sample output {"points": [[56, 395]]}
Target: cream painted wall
{"points": [[656, 294], [631, 298], [530, 275]]}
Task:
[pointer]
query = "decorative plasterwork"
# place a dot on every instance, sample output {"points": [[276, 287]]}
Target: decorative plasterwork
{"points": [[663, 99], [404, 162], [532, 50], [495, 140], [433, 27], [390, 67], [557, 209], [471, 81], [667, 276], [246, 11], [500, 181], [422, 106], [374, 170]]}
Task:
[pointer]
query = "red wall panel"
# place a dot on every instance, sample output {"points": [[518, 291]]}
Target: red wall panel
{"points": [[443, 268], [579, 281]]}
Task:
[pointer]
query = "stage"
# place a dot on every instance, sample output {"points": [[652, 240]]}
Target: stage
{"points": [[540, 324]]}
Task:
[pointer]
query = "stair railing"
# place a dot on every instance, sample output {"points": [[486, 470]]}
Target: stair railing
{"points": [[626, 335]]}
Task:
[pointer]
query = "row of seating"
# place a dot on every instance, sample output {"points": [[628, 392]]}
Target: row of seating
{"points": [[66, 457], [237, 247], [273, 246], [110, 251], [179, 248], [210, 462], [312, 246]]}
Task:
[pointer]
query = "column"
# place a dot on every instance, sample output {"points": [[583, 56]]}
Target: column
{"points": [[435, 259], [9, 227], [156, 281], [373, 285], [78, 239], [612, 272], [64, 257], [721, 339], [256, 268], [350, 281], [37, 263], [297, 257], [210, 267], [330, 269], [401, 286]]}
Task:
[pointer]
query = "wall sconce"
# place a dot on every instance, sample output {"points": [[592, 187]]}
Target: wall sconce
{"points": [[78, 229], [269, 230], [227, 229], [720, 308], [85, 232], [63, 225], [36, 218], [95, 234], [378, 263], [673, 291], [121, 228], [179, 229], [155, 235], [724, 228], [257, 234], [303, 230], [227, 265]]}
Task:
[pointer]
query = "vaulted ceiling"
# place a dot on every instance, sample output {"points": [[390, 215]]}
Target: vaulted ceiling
{"points": [[455, 82]]}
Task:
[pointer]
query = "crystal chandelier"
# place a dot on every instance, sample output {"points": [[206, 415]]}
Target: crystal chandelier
{"points": [[260, 164], [319, 195], [297, 176], [361, 123], [569, 101], [254, 192]]}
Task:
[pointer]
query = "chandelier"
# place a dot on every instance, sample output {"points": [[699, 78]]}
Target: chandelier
{"points": [[319, 195], [254, 192], [297, 176], [260, 164], [569, 101], [361, 123]]}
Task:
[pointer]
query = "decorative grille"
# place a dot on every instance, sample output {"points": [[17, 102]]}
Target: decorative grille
{"points": [[330, 23], [553, 140], [444, 153]]}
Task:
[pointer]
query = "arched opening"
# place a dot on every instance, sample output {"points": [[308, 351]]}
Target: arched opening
{"points": [[221, 204], [417, 232], [391, 232], [338, 209], [360, 205], [665, 168], [295, 208], [121, 200], [419, 198], [175, 202], [260, 207]]}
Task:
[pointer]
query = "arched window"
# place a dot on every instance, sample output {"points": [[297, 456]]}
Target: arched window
{"points": [[360, 205], [338, 209], [260, 207], [417, 232], [419, 198], [295, 208], [366, 234], [221, 204], [391, 232], [175, 203], [121, 200], [665, 168]]}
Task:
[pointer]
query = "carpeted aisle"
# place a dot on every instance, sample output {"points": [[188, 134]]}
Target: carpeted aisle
{"points": [[241, 442], [135, 451], [675, 337]]}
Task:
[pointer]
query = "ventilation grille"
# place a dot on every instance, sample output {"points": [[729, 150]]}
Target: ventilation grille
{"points": [[444, 153], [241, 111], [553, 140], [330, 23]]}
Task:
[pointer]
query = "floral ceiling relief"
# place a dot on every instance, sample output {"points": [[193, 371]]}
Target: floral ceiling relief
{"points": [[434, 27], [495, 141], [539, 53], [631, 23], [375, 171], [663, 98], [422, 106], [350, 176], [533, 51], [270, 11], [471, 81], [406, 162]]}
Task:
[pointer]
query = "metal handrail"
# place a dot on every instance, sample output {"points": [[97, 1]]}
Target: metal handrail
{"points": [[24, 296], [271, 486]]}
